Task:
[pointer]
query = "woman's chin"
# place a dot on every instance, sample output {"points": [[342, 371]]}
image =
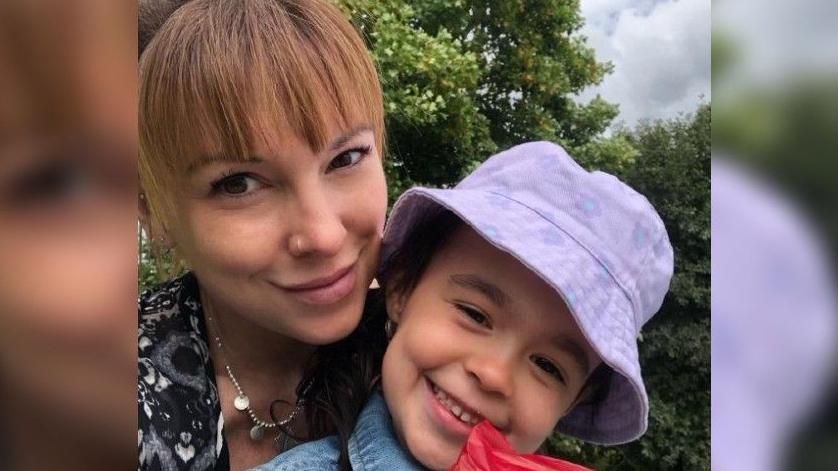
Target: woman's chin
{"points": [[331, 329]]}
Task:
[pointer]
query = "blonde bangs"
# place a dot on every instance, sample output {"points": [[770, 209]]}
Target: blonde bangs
{"points": [[222, 75]]}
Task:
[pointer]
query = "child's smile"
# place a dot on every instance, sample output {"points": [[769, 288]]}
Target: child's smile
{"points": [[450, 415], [451, 406]]}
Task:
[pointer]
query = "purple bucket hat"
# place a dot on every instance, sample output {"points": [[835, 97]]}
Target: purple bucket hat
{"points": [[597, 242]]}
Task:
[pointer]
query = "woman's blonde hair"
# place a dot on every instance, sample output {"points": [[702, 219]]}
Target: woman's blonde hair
{"points": [[219, 75]]}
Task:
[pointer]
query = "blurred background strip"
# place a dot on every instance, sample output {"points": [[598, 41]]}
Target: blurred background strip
{"points": [[68, 222]]}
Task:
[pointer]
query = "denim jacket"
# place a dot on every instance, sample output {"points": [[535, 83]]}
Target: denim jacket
{"points": [[372, 447]]}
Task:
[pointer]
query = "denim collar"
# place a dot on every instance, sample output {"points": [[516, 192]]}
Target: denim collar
{"points": [[373, 445]]}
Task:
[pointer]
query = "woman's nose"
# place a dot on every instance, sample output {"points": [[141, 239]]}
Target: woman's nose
{"points": [[317, 228]]}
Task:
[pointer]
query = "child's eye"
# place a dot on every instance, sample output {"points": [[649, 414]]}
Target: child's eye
{"points": [[348, 158], [238, 184], [474, 314], [548, 367]]}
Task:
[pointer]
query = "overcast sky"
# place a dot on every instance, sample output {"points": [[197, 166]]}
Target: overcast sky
{"points": [[661, 55]]}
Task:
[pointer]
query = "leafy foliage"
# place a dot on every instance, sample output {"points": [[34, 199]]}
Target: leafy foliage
{"points": [[464, 78]]}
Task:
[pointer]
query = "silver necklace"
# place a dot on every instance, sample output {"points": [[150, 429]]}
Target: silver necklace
{"points": [[242, 403]]}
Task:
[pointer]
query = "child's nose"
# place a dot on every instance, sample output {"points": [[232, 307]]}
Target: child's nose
{"points": [[492, 370]]}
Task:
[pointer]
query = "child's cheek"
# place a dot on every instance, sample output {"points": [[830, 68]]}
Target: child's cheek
{"points": [[536, 414], [431, 341]]}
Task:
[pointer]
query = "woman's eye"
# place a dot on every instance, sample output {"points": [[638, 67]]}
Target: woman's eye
{"points": [[548, 367], [236, 185], [348, 158], [474, 314]]}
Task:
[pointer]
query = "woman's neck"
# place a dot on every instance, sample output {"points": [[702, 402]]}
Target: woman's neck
{"points": [[267, 367], [250, 348]]}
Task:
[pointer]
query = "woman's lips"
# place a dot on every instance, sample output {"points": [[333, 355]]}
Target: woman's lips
{"points": [[325, 290]]}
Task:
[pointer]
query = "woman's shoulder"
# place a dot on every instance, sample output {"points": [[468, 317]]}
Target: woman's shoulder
{"points": [[170, 306], [170, 314], [165, 297], [179, 418]]}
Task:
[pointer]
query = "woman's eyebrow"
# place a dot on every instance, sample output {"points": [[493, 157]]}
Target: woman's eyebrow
{"points": [[205, 160], [486, 288], [343, 139]]}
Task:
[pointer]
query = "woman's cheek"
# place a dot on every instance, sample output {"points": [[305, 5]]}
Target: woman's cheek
{"points": [[380, 209], [234, 241], [365, 203]]}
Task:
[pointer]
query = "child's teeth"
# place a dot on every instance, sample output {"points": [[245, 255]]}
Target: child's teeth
{"points": [[453, 407]]}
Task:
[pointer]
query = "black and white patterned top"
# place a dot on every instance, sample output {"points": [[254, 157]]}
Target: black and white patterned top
{"points": [[180, 424]]}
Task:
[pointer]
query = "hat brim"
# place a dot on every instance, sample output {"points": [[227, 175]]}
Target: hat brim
{"points": [[600, 308]]}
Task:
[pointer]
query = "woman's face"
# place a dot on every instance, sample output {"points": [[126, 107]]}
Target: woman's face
{"points": [[288, 237], [481, 337]]}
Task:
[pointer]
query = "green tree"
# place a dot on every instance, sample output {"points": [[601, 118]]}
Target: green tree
{"points": [[464, 78], [672, 168]]}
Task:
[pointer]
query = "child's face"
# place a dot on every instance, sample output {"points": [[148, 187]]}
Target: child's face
{"points": [[481, 337], [288, 238]]}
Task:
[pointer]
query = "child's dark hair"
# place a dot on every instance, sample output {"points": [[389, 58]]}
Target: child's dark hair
{"points": [[346, 373], [402, 270]]}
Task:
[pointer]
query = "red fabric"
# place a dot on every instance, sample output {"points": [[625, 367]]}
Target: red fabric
{"points": [[488, 450]]}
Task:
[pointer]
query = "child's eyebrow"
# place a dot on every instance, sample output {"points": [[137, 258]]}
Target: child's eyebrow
{"points": [[567, 344], [487, 289]]}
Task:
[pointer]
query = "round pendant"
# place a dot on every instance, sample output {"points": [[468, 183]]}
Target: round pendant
{"points": [[241, 402], [256, 433]]}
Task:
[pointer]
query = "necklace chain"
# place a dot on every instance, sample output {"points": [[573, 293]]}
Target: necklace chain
{"points": [[242, 402]]}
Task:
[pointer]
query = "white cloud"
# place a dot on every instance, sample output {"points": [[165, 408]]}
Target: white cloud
{"points": [[660, 51]]}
